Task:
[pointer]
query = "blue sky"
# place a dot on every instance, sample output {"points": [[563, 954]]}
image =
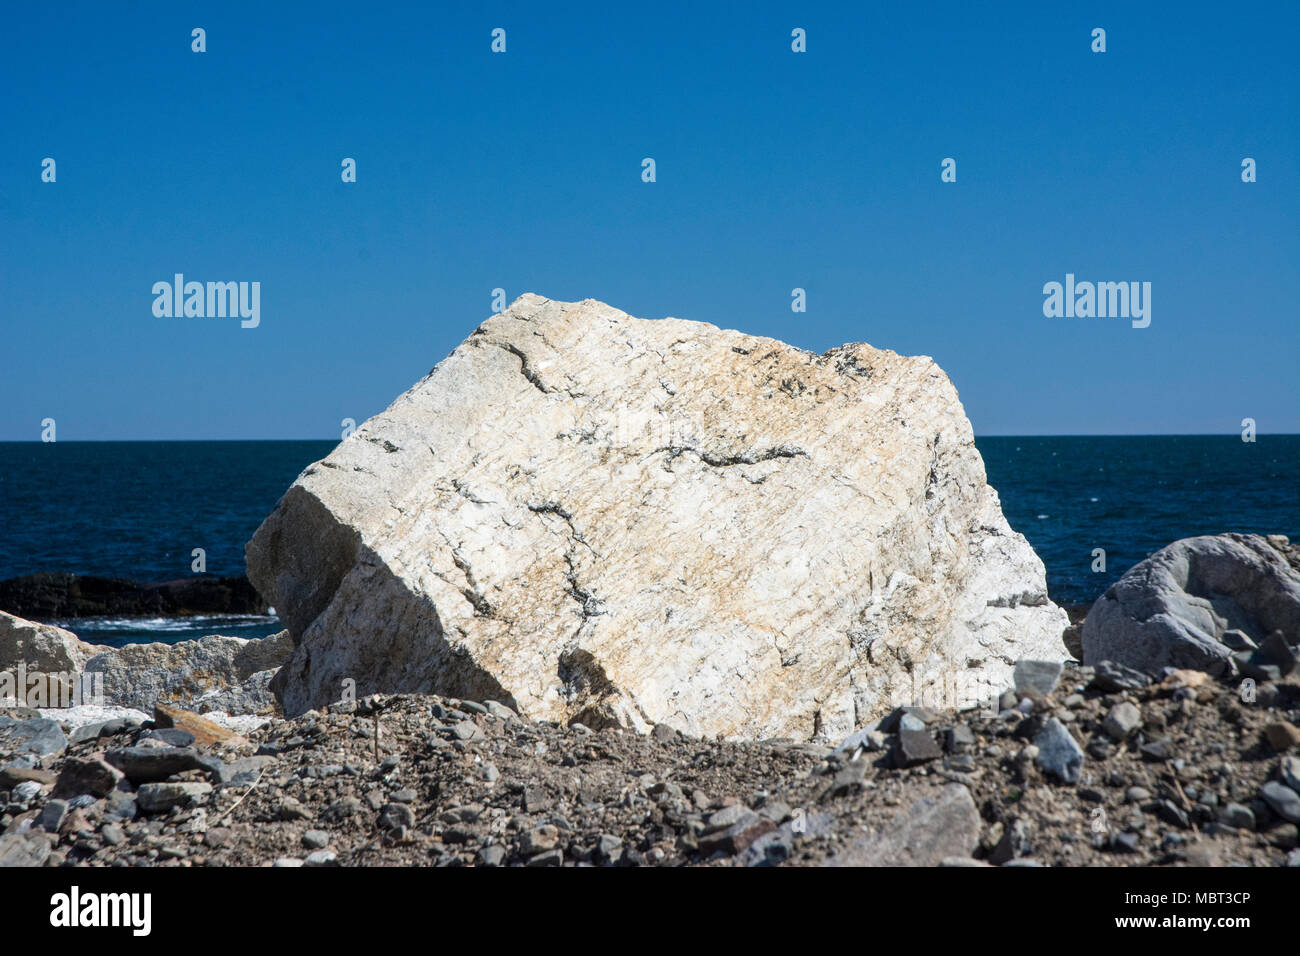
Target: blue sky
{"points": [[522, 170]]}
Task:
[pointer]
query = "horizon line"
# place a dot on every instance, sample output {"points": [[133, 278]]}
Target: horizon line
{"points": [[213, 441]]}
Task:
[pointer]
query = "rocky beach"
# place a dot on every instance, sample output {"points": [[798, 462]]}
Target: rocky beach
{"points": [[608, 591]]}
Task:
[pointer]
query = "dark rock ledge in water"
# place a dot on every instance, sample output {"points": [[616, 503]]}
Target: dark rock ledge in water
{"points": [[66, 596]]}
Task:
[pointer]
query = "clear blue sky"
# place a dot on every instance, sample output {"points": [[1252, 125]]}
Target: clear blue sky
{"points": [[775, 170]]}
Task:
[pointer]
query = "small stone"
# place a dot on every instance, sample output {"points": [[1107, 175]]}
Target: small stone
{"points": [[1237, 640], [144, 764], [51, 816], [539, 839], [1058, 752], [1137, 795], [1284, 801], [737, 837], [112, 834], [1170, 812], [395, 815], [25, 792], [1015, 842], [160, 797], [218, 837], [204, 731], [315, 840], [1124, 718], [1284, 836], [960, 739], [24, 849], [322, 858], [1156, 749], [172, 736], [1288, 771], [548, 858], [1037, 677], [1238, 816], [40, 735], [913, 747], [1126, 842], [1277, 650], [493, 855], [501, 712], [403, 796], [663, 734], [1282, 735], [291, 808], [609, 848], [465, 730], [1112, 677], [730, 816], [849, 779], [535, 801], [287, 862]]}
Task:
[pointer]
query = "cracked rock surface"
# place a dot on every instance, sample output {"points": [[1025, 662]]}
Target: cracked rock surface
{"points": [[623, 522]]}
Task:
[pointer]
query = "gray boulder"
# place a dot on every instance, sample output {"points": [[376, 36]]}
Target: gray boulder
{"points": [[213, 673], [1173, 609]]}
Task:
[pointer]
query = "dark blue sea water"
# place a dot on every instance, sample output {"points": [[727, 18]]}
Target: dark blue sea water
{"points": [[137, 509]]}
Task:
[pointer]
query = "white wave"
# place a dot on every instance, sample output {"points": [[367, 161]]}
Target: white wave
{"points": [[165, 625]]}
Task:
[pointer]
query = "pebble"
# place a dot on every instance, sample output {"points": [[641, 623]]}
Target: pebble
{"points": [[160, 797], [144, 764], [25, 792], [51, 816], [493, 855], [172, 736], [1122, 720], [1170, 812], [1058, 752], [1111, 677], [395, 815], [1289, 771], [1282, 735], [315, 839], [1238, 816], [1284, 801], [1137, 795], [539, 839], [1037, 677], [960, 739], [500, 711], [322, 858], [1156, 749], [609, 848], [729, 816], [1126, 842], [218, 837], [912, 747]]}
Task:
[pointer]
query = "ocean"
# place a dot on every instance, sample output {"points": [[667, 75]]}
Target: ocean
{"points": [[137, 509]]}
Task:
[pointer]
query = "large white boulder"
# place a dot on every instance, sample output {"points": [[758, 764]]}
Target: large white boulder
{"points": [[597, 518]]}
